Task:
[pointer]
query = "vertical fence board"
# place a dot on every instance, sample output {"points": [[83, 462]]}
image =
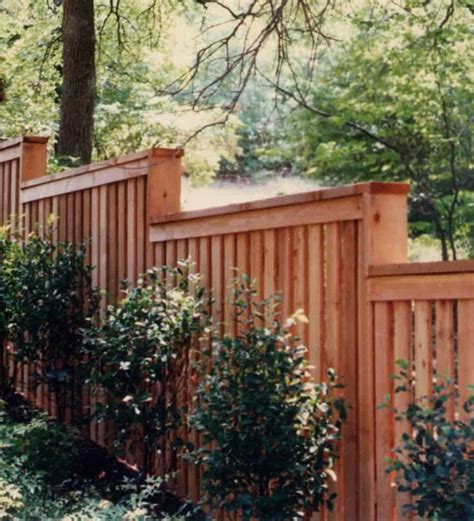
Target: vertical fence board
{"points": [[348, 370], [384, 420], [423, 349], [402, 350], [445, 347], [465, 352], [316, 310]]}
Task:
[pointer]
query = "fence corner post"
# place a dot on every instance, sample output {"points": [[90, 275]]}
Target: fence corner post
{"points": [[33, 157], [383, 240], [164, 181], [385, 216]]}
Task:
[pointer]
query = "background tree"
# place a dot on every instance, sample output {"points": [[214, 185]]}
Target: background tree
{"points": [[395, 102], [78, 94]]}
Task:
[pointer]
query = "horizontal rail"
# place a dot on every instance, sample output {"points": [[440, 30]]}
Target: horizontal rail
{"points": [[421, 287], [9, 143], [344, 209], [274, 202], [421, 268]]}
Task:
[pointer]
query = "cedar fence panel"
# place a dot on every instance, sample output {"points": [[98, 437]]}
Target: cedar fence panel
{"points": [[422, 313], [330, 252]]}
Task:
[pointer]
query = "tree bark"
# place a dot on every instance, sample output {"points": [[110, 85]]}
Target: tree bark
{"points": [[79, 80]]}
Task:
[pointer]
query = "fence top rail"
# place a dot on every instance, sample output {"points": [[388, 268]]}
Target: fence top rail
{"points": [[421, 268], [9, 143], [120, 161], [273, 202]]}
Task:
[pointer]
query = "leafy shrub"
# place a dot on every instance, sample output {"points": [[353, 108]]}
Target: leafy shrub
{"points": [[10, 499], [39, 479], [140, 353], [48, 298], [38, 447], [41, 448], [269, 430], [435, 460], [5, 244]]}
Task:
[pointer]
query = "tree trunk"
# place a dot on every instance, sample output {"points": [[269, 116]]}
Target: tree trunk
{"points": [[79, 89]]}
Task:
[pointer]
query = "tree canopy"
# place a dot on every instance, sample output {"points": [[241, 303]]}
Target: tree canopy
{"points": [[340, 91]]}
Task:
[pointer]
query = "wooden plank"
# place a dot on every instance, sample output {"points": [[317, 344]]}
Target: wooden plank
{"points": [[70, 217], [284, 270], [269, 261], [305, 213], [62, 231], [14, 191], [128, 166], [384, 417], [422, 268], [194, 248], [181, 250], [333, 349], [142, 224], [287, 200], [217, 281], [402, 350], [103, 265], [204, 259], [365, 481], [95, 260], [423, 349], [131, 231], [316, 308], [427, 287], [6, 193], [444, 327], [256, 262], [159, 254], [112, 243], [55, 212], [182, 395], [348, 370], [122, 231], [193, 252], [51, 186], [242, 253], [86, 222], [332, 353], [465, 352], [41, 217], [229, 263], [171, 254], [300, 277]]}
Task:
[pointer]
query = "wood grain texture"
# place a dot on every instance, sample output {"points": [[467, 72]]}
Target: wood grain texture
{"points": [[339, 254]]}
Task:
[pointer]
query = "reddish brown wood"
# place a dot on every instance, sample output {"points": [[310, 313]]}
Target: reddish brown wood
{"points": [[340, 254]]}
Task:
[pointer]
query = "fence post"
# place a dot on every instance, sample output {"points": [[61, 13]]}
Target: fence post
{"points": [[383, 240], [164, 181], [33, 157]]}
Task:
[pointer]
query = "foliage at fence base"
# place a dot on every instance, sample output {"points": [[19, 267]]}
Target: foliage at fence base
{"points": [[44, 475], [46, 299], [434, 460], [269, 430], [140, 355]]}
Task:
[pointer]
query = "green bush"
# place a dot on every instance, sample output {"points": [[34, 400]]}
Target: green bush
{"points": [[40, 478], [47, 299], [140, 353], [5, 245], [269, 430], [434, 461]]}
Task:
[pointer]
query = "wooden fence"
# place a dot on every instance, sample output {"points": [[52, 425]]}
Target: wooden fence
{"points": [[340, 254]]}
